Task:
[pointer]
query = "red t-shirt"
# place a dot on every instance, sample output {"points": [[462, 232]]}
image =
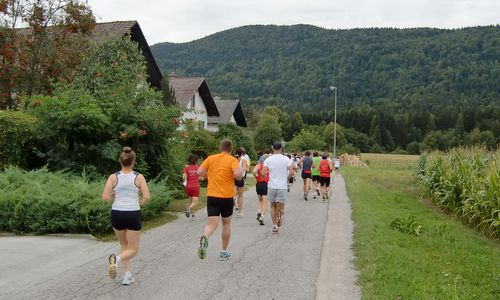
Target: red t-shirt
{"points": [[192, 176], [324, 168]]}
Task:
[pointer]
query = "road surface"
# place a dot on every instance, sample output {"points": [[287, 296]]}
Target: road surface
{"points": [[303, 261]]}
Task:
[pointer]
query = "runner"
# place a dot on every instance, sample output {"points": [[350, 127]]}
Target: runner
{"points": [[124, 189], [261, 188], [306, 163], [221, 169], [280, 167], [337, 165], [315, 174], [325, 169], [240, 184], [291, 179], [192, 184]]}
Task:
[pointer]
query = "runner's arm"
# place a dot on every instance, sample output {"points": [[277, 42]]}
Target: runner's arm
{"points": [[107, 193], [143, 186], [255, 171], [202, 172]]}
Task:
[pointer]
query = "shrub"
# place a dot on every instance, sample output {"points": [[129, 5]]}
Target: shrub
{"points": [[409, 226], [44, 202], [349, 149], [16, 138]]}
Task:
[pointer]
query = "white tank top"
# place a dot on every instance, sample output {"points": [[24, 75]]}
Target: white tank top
{"points": [[126, 192]]}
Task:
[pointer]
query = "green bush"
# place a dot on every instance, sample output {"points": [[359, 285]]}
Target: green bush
{"points": [[349, 149], [16, 138], [56, 202], [465, 182]]}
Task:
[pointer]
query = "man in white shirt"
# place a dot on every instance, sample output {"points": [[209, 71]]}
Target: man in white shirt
{"points": [[280, 168]]}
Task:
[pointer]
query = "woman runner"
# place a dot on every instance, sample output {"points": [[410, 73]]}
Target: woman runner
{"points": [[190, 177]]}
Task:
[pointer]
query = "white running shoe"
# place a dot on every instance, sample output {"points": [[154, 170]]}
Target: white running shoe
{"points": [[128, 279]]}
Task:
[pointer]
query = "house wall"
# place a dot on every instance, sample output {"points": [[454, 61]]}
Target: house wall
{"points": [[199, 112], [215, 127]]}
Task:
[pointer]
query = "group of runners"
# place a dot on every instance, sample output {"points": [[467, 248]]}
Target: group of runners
{"points": [[225, 173]]}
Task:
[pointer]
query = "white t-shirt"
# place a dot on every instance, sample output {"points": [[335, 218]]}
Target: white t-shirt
{"points": [[278, 171], [337, 163]]}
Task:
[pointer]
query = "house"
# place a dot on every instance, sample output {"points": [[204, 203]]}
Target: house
{"points": [[230, 112], [193, 93], [118, 30]]}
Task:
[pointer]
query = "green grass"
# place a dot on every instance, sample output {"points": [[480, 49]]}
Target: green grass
{"points": [[446, 261]]}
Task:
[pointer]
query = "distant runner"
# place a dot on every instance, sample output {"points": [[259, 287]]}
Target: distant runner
{"points": [[315, 174], [279, 167], [325, 169], [190, 177], [306, 163], [240, 184], [262, 178], [337, 165]]}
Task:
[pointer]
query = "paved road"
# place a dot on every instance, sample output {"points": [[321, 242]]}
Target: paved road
{"points": [[263, 266]]}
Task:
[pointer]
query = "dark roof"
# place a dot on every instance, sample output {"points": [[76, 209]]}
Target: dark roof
{"points": [[185, 89], [117, 30], [228, 108]]}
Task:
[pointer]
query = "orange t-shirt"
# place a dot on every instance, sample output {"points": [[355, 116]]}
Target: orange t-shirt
{"points": [[220, 169]]}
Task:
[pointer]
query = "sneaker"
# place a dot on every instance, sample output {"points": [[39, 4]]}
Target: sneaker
{"points": [[112, 268], [224, 255], [305, 196], [202, 249], [324, 199], [128, 279], [327, 196], [288, 189], [318, 192], [261, 220], [275, 229], [236, 207], [279, 222], [193, 218], [258, 216], [314, 196], [187, 211]]}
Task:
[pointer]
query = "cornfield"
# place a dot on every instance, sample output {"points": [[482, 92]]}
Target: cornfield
{"points": [[466, 183]]}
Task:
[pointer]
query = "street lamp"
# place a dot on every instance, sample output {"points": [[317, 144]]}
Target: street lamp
{"points": [[334, 88]]}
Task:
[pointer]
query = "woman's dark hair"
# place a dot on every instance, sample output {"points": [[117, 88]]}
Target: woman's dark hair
{"points": [[127, 157], [324, 155], [307, 153], [240, 152], [315, 153], [193, 159]]}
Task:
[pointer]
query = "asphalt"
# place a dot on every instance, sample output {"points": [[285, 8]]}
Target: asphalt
{"points": [[310, 258]]}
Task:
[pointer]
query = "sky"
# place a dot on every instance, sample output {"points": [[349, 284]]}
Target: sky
{"points": [[186, 20]]}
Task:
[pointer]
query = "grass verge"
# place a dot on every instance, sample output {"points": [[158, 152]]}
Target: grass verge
{"points": [[446, 261]]}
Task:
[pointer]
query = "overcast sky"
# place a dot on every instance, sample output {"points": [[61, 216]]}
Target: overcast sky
{"points": [[187, 20]]}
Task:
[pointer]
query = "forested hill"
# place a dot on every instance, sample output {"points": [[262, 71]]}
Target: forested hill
{"points": [[429, 77], [296, 64]]}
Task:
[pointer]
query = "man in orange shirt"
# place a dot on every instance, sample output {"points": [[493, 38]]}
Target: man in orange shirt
{"points": [[221, 170]]}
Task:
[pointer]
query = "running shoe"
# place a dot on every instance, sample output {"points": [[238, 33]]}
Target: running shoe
{"points": [[305, 196], [275, 229], [236, 207], [202, 249], [324, 199], [261, 220], [258, 216], [224, 255], [318, 192], [128, 279], [112, 268], [193, 217], [314, 196], [187, 211]]}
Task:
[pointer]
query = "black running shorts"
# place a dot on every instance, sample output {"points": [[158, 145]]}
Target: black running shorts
{"points": [[315, 178], [306, 175], [261, 188], [239, 183], [219, 207], [121, 220], [324, 181]]}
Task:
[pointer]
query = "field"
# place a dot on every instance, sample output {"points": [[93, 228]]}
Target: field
{"points": [[406, 247]]}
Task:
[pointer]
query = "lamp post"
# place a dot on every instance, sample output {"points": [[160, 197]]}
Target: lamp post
{"points": [[334, 89]]}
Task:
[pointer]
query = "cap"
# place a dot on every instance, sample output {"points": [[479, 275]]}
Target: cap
{"points": [[277, 146]]}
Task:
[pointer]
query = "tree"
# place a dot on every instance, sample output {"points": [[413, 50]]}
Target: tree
{"points": [[32, 60], [267, 132], [239, 137], [167, 92], [292, 126], [306, 140], [328, 136]]}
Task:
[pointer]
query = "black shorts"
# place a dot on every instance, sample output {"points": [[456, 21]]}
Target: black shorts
{"points": [[219, 207], [306, 175], [121, 220], [239, 183], [324, 181], [315, 178], [261, 188]]}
